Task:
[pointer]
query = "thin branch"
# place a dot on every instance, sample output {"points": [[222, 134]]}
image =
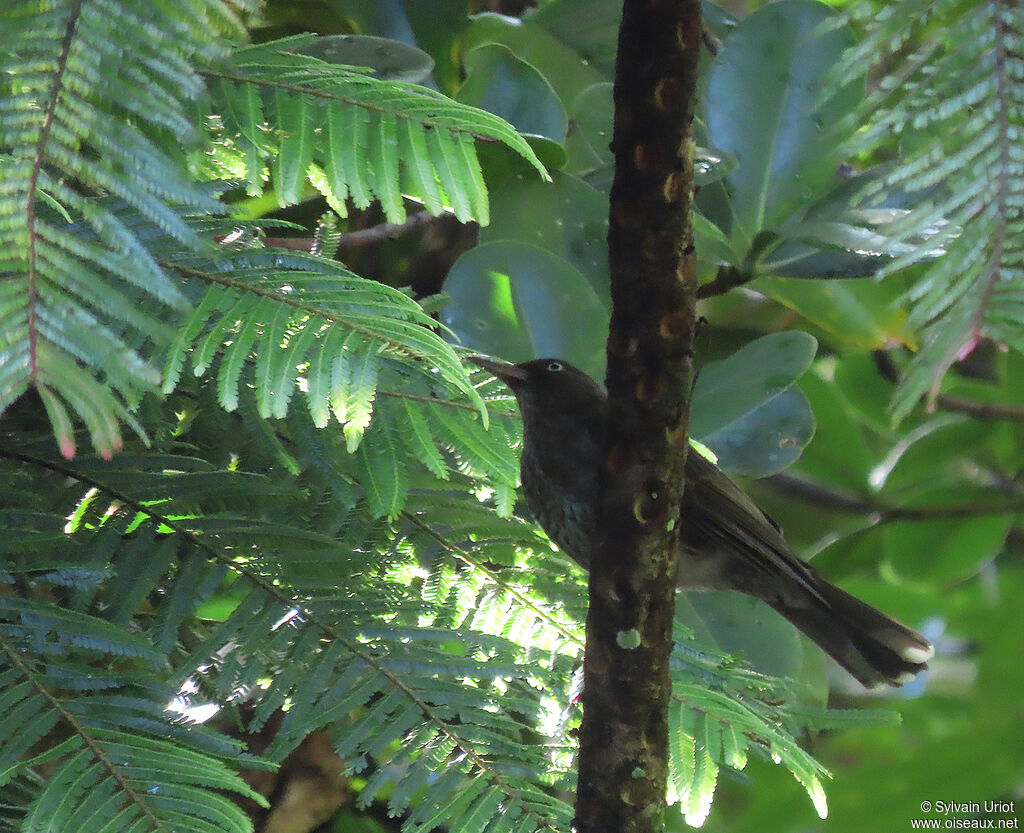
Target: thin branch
{"points": [[726, 278], [384, 231], [829, 498], [988, 411], [822, 495], [360, 237]]}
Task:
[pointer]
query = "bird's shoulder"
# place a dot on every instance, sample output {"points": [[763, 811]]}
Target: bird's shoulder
{"points": [[723, 513]]}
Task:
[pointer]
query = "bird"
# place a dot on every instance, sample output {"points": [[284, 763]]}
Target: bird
{"points": [[729, 543]]}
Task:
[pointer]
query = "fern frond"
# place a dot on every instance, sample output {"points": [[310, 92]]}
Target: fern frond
{"points": [[301, 316], [436, 647], [382, 680], [83, 120], [355, 136], [278, 323], [710, 728], [958, 106], [116, 756]]}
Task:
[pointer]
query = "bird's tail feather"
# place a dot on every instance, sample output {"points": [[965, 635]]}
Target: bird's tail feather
{"points": [[873, 647]]}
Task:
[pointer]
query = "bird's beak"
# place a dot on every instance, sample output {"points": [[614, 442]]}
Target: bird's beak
{"points": [[503, 370]]}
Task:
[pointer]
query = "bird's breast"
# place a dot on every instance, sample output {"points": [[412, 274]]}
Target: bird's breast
{"points": [[563, 500]]}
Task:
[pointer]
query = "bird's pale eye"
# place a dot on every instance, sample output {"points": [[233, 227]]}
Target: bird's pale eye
{"points": [[554, 367]]}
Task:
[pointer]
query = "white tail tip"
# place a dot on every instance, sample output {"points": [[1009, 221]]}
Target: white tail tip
{"points": [[917, 654]]}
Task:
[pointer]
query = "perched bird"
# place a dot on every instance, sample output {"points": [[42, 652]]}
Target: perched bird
{"points": [[729, 544]]}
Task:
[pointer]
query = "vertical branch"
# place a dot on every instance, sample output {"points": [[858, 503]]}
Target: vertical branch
{"points": [[624, 737]]}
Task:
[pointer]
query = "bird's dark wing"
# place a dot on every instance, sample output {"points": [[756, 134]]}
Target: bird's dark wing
{"points": [[718, 517]]}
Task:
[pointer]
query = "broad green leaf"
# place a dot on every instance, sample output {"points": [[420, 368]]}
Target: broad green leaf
{"points": [[434, 25], [931, 454], [711, 165], [732, 623], [750, 377], [946, 550], [499, 165], [766, 440], [765, 108], [566, 217], [589, 27], [390, 60], [838, 453], [563, 68], [810, 258], [590, 131], [863, 314], [859, 381], [711, 243], [521, 302], [497, 81]]}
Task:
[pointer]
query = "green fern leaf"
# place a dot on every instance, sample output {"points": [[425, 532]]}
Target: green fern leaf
{"points": [[381, 136], [297, 119], [78, 87], [357, 389], [967, 185], [348, 134], [705, 772], [448, 161], [383, 471], [413, 150], [384, 149], [415, 433]]}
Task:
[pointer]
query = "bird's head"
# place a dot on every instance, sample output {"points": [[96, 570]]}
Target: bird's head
{"points": [[548, 388]]}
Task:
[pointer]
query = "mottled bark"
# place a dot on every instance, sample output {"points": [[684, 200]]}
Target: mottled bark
{"points": [[624, 737]]}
